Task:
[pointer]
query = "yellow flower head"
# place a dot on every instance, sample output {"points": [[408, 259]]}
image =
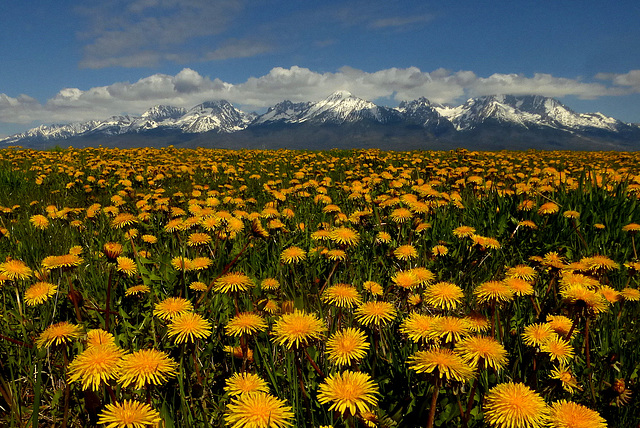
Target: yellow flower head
{"points": [[511, 405], [129, 414], [188, 326], [348, 391], [346, 345], [146, 367], [297, 328], [97, 364]]}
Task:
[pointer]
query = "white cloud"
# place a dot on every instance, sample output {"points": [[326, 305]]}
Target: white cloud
{"points": [[188, 88]]}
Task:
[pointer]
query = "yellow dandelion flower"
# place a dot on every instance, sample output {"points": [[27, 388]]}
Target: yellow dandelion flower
{"points": [[137, 289], [197, 238], [561, 325], [39, 292], [609, 294], [245, 323], [373, 288], [171, 307], [423, 275], [126, 266], [297, 328], [444, 362], [401, 215], [567, 414], [258, 410], [348, 391], [146, 367], [95, 365], [419, 327], [443, 295], [558, 349], [450, 329], [233, 282], [522, 272], [537, 334], [244, 383], [57, 334], [188, 326], [566, 378], [336, 255], [292, 255], [149, 239], [346, 345], [405, 252], [129, 414], [98, 336], [342, 296], [599, 263], [405, 279], [270, 284], [39, 221], [493, 292], [464, 232], [485, 349], [548, 208], [383, 238], [15, 270], [112, 250], [631, 294], [439, 250], [198, 286], [513, 405], [200, 263], [344, 236], [123, 219], [376, 313]]}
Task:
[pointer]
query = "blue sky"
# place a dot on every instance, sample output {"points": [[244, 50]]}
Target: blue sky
{"points": [[66, 61]]}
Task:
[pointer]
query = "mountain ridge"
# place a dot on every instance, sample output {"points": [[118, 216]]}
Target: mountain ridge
{"points": [[528, 117]]}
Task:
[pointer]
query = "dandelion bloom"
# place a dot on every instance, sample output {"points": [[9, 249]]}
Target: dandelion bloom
{"points": [[198, 238], [558, 349], [566, 378], [123, 219], [538, 333], [129, 414], [348, 391], [198, 286], [561, 325], [297, 328], [515, 405], [98, 336], [418, 326], [112, 250], [580, 295], [270, 284], [401, 215], [233, 282], [146, 367], [493, 292], [439, 250], [39, 221], [172, 307], [292, 255], [336, 255], [423, 275], [243, 383], [376, 313], [567, 414], [477, 322], [63, 261], [405, 252], [149, 239], [548, 208], [56, 334], [383, 238], [476, 349], [373, 288], [39, 293], [245, 323], [344, 236], [188, 326], [631, 227], [519, 286], [598, 262], [342, 296], [631, 294], [137, 289], [346, 345], [443, 295], [15, 269], [450, 329], [464, 231], [95, 365], [126, 266], [571, 214], [448, 364], [522, 272], [611, 295], [405, 279], [200, 263], [258, 410]]}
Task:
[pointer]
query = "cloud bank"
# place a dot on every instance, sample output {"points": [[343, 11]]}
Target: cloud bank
{"points": [[188, 88]]}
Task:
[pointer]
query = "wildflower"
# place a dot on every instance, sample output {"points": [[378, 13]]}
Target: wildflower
{"points": [[146, 367], [95, 365], [376, 313], [244, 383], [344, 236], [522, 272], [405, 279], [477, 322], [520, 287], [348, 391], [609, 294], [373, 288], [486, 349], [383, 238], [580, 295], [39, 293], [63, 261], [39, 221], [198, 286], [200, 263], [439, 250], [548, 208], [561, 325], [450, 329], [297, 328], [448, 364], [270, 284], [149, 239], [464, 231], [98, 336], [401, 215], [123, 219], [566, 378], [558, 349], [126, 266], [537, 334], [599, 263], [405, 252], [493, 292], [567, 414], [56, 334], [197, 239], [188, 326], [245, 323], [137, 289], [112, 250], [15, 270], [631, 294], [631, 227], [443, 295], [258, 410], [418, 326], [233, 282], [129, 414], [346, 345], [423, 275], [342, 296], [571, 214], [292, 255], [511, 405], [622, 393], [171, 307], [336, 255]]}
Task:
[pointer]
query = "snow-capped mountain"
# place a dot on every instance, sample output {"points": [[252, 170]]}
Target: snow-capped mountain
{"points": [[490, 118]]}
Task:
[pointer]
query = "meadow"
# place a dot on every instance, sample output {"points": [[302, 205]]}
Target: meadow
{"points": [[196, 288]]}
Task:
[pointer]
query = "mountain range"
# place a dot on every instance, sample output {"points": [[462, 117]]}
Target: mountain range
{"points": [[344, 121]]}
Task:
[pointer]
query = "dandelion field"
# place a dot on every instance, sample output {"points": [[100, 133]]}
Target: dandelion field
{"points": [[171, 287]]}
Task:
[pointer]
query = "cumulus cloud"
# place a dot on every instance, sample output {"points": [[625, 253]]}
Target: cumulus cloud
{"points": [[188, 88]]}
